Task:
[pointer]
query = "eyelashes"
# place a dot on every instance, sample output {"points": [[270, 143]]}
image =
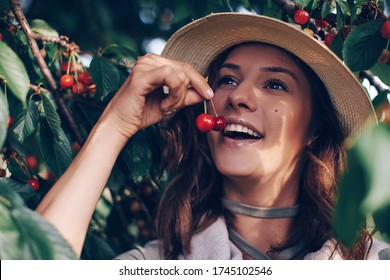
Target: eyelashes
{"points": [[276, 84], [226, 80], [271, 83]]}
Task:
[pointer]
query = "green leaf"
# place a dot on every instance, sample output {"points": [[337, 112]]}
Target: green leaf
{"points": [[380, 99], [314, 5], [381, 219], [106, 76], [339, 18], [9, 196], [352, 9], [16, 170], [41, 27], [56, 151], [337, 45], [21, 37], [97, 248], [382, 71], [26, 235], [3, 118], [344, 7], [325, 9], [24, 190], [10, 239], [364, 187], [26, 120], [51, 115], [40, 239], [14, 72], [120, 51], [363, 46], [117, 179], [137, 155], [374, 148], [349, 217]]}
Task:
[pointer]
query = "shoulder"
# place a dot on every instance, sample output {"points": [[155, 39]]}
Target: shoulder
{"points": [[379, 250], [150, 251], [326, 252]]}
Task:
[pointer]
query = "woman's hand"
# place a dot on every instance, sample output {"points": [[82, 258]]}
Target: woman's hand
{"points": [[141, 102]]}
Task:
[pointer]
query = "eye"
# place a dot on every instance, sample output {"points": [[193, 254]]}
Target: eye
{"points": [[226, 80], [275, 84]]}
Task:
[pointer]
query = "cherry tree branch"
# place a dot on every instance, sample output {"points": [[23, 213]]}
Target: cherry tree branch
{"points": [[61, 40], [31, 38]]}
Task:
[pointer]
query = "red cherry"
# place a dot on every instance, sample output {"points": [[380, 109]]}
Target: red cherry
{"points": [[78, 88], [10, 121], [301, 17], [66, 81], [329, 37], [32, 161], [135, 207], [76, 146], [91, 89], [205, 122], [384, 57], [321, 23], [385, 30], [34, 183], [219, 124], [85, 78], [64, 67]]}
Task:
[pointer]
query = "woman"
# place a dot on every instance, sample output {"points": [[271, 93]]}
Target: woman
{"points": [[264, 187]]}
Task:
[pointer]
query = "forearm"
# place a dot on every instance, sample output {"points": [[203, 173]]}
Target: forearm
{"points": [[70, 203]]}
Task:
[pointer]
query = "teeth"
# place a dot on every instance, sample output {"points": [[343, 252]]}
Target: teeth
{"points": [[240, 128]]}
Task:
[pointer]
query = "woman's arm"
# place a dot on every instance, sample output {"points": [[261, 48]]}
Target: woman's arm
{"points": [[70, 203]]}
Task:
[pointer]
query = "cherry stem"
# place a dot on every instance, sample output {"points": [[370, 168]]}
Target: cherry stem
{"points": [[205, 106], [212, 104]]}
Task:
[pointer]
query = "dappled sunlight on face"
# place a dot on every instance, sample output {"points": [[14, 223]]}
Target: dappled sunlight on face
{"points": [[260, 88]]}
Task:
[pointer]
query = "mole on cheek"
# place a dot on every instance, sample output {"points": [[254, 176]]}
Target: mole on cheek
{"points": [[276, 110]]}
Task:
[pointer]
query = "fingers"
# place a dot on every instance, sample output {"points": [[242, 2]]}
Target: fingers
{"points": [[182, 84]]}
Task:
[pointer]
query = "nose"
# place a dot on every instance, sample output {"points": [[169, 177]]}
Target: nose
{"points": [[242, 98]]}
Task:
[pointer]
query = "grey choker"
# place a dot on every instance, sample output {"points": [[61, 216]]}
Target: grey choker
{"points": [[261, 212]]}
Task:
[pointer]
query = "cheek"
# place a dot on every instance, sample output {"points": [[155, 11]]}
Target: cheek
{"points": [[211, 141], [216, 105]]}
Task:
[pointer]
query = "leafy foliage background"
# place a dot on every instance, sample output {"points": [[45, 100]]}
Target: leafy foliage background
{"points": [[103, 38]]}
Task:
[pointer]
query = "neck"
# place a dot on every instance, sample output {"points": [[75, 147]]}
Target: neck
{"points": [[263, 194], [264, 233]]}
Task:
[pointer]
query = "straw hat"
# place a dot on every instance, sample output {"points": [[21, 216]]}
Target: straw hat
{"points": [[199, 42]]}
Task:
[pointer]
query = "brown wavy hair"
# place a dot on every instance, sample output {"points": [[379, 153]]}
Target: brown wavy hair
{"points": [[192, 199]]}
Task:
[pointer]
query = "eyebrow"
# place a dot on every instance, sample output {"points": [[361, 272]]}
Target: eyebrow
{"points": [[277, 69], [230, 66], [271, 69]]}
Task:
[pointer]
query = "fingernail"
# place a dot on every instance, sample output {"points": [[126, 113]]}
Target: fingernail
{"points": [[210, 93]]}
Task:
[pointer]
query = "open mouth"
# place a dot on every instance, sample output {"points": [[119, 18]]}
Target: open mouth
{"points": [[241, 132]]}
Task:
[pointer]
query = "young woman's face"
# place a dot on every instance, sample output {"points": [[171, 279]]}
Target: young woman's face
{"points": [[265, 99]]}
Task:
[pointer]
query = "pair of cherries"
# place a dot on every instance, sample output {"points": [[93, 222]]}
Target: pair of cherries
{"points": [[206, 123]]}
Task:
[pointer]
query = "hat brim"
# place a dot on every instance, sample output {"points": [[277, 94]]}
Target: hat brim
{"points": [[200, 42]]}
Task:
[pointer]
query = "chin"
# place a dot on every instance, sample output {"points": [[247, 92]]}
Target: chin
{"points": [[235, 168]]}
